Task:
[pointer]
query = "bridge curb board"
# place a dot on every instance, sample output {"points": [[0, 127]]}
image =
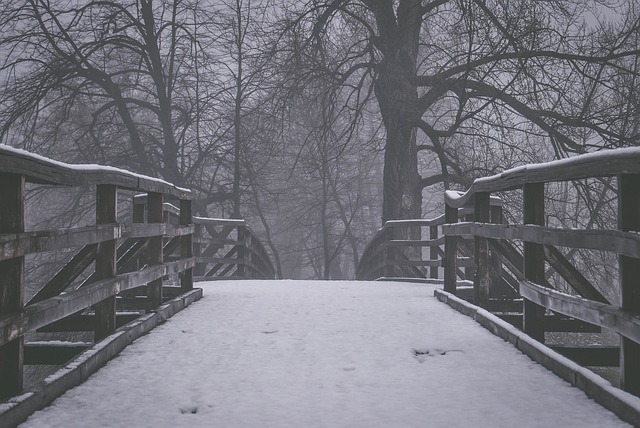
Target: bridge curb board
{"points": [[17, 409], [625, 405]]}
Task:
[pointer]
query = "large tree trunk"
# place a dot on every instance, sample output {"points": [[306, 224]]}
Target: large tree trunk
{"points": [[397, 96]]}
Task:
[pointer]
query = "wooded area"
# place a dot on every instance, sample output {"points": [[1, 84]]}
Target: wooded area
{"points": [[317, 121]]}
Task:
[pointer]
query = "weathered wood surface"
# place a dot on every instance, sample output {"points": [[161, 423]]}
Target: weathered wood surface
{"points": [[47, 311], [629, 220], [16, 245], [69, 273], [599, 356], [155, 249], [625, 243], [82, 322], [38, 169], [52, 354], [12, 210], [385, 252], [624, 322], [606, 163], [481, 281], [569, 273], [533, 257]]}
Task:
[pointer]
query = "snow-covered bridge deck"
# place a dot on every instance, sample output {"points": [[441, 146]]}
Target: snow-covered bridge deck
{"points": [[320, 354]]}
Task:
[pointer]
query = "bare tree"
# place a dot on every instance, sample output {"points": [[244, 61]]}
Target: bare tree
{"points": [[478, 69]]}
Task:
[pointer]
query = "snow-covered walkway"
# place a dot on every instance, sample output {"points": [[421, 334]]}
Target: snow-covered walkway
{"points": [[322, 354]]}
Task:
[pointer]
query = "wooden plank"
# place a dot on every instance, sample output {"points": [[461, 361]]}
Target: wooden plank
{"points": [[433, 253], [605, 163], [415, 243], [106, 259], [419, 263], [533, 256], [219, 221], [607, 316], [82, 322], [481, 281], [597, 356], [52, 353], [155, 249], [199, 269], [450, 251], [17, 245], [38, 169], [629, 267], [53, 309], [617, 241], [572, 275], [134, 257], [154, 229], [12, 202], [552, 323], [186, 243], [498, 285], [65, 276], [416, 222]]}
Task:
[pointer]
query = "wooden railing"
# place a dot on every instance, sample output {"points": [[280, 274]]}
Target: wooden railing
{"points": [[63, 298], [507, 263], [223, 248], [539, 242], [228, 248], [415, 248], [388, 257], [117, 270]]}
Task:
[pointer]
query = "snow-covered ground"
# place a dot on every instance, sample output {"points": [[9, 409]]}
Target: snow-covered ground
{"points": [[322, 354]]}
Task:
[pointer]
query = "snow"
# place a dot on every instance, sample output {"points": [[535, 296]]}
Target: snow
{"points": [[320, 354], [86, 167]]}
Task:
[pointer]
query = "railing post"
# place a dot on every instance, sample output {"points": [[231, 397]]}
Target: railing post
{"points": [[388, 269], [248, 255], [106, 213], [241, 269], [629, 221], [433, 251], [199, 269], [481, 212], [186, 244], [533, 314], [11, 283], [450, 251], [495, 263], [156, 257], [469, 244]]}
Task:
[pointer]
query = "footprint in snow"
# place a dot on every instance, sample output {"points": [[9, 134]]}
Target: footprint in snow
{"points": [[269, 331], [422, 354], [189, 410]]}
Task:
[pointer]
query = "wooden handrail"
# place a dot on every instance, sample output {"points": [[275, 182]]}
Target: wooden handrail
{"points": [[540, 241], [605, 163], [136, 261], [220, 255], [384, 256], [39, 169], [65, 295]]}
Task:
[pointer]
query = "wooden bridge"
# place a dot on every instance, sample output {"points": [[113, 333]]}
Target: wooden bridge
{"points": [[121, 278]]}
